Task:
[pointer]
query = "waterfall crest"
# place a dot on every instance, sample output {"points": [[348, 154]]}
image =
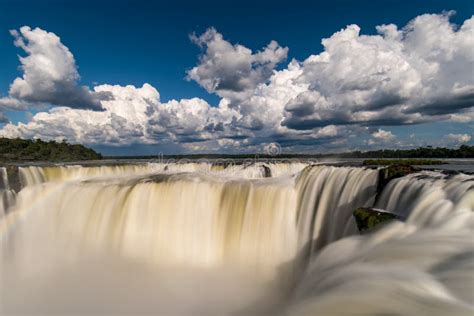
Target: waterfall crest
{"points": [[31, 175], [327, 198], [165, 216], [431, 199]]}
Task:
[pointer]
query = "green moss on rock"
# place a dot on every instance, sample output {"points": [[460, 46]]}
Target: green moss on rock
{"points": [[368, 218], [13, 178], [392, 172]]}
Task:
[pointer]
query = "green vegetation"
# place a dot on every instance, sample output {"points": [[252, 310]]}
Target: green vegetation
{"points": [[391, 172], [38, 150], [368, 218], [464, 151], [402, 162]]}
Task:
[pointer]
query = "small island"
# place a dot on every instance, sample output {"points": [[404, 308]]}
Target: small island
{"points": [[23, 150]]}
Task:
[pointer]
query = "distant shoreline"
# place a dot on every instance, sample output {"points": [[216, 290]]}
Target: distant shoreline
{"points": [[464, 151], [32, 151]]}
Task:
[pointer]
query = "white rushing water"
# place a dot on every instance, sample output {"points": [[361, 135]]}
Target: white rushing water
{"points": [[251, 239]]}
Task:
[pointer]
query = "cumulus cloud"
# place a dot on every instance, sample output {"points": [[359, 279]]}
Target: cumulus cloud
{"points": [[132, 115], [463, 117], [459, 138], [383, 135], [232, 70], [50, 75], [123, 120], [419, 73], [190, 121]]}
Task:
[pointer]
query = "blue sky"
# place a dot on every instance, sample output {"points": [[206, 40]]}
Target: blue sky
{"points": [[137, 42]]}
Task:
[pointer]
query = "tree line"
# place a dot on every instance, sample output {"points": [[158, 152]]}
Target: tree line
{"points": [[464, 151], [16, 149]]}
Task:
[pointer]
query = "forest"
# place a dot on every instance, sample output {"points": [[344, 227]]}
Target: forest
{"points": [[16, 149], [464, 151]]}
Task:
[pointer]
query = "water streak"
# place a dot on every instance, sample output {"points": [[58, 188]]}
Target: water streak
{"points": [[200, 233]]}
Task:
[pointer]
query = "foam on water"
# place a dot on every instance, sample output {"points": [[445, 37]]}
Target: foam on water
{"points": [[207, 239]]}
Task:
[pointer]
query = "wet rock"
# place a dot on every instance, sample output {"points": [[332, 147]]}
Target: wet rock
{"points": [[367, 218], [392, 172], [267, 172], [13, 178]]}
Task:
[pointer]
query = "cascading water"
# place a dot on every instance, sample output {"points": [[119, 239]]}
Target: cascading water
{"points": [[327, 198], [219, 239], [7, 195], [233, 215], [423, 266], [32, 175], [431, 199]]}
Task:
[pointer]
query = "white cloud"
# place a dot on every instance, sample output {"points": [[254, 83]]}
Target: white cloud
{"points": [[123, 120], [233, 70], [49, 74], [383, 135], [133, 115], [464, 116], [419, 73], [190, 121], [459, 138]]}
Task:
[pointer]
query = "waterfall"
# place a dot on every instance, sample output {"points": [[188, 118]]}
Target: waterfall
{"points": [[170, 219], [7, 195], [400, 270], [32, 175], [248, 224], [431, 199], [423, 266], [158, 214], [327, 197]]}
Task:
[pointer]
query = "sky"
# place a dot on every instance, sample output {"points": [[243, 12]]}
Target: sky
{"points": [[149, 77]]}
